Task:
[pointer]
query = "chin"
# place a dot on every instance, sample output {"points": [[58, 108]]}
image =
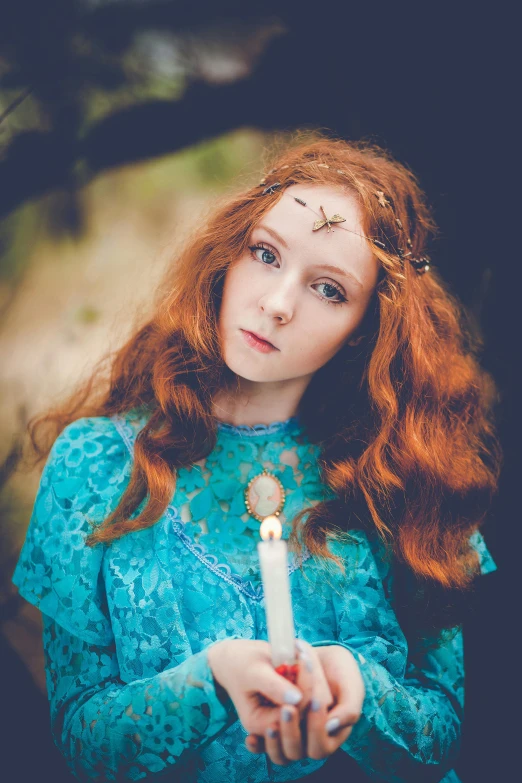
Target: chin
{"points": [[240, 367], [254, 375]]}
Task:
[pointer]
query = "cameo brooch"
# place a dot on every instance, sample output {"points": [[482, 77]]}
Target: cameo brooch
{"points": [[264, 495]]}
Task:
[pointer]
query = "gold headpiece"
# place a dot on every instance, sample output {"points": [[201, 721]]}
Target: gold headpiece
{"points": [[421, 265]]}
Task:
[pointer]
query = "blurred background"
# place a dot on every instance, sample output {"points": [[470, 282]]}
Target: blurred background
{"points": [[122, 120]]}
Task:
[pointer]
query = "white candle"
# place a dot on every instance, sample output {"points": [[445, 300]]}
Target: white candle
{"points": [[276, 587]]}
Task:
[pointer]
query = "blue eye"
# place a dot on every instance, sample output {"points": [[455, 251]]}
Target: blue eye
{"points": [[330, 291], [263, 254]]}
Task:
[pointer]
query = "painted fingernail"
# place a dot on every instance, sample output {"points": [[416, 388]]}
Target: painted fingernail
{"points": [[315, 705], [292, 697], [287, 715], [300, 646], [308, 663], [271, 733], [332, 725]]}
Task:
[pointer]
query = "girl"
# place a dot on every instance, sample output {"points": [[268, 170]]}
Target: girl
{"points": [[301, 336]]}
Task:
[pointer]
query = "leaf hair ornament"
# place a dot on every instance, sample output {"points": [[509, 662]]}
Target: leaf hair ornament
{"points": [[383, 201], [327, 221], [271, 188], [421, 264], [318, 224]]}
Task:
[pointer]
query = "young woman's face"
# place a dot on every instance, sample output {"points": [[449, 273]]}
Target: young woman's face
{"points": [[281, 291]]}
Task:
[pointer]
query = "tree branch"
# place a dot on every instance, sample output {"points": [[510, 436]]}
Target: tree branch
{"points": [[17, 101]]}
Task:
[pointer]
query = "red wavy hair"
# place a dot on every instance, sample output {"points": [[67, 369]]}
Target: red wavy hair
{"points": [[406, 430]]}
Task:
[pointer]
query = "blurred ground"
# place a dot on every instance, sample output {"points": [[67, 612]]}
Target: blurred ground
{"points": [[77, 299]]}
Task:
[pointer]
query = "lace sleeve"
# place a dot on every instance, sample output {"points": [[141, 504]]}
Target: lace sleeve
{"points": [[410, 724], [110, 731], [82, 481], [410, 727], [106, 729]]}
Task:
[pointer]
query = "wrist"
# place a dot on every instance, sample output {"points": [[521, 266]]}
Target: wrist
{"points": [[217, 655], [213, 658], [213, 655]]}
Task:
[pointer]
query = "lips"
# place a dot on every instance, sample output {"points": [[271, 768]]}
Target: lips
{"points": [[260, 337]]}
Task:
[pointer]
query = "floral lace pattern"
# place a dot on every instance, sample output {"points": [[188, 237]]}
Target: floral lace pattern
{"points": [[127, 626], [208, 510]]}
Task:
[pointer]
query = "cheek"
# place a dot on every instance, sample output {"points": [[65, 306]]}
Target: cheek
{"points": [[322, 344], [237, 288], [228, 295], [321, 339]]}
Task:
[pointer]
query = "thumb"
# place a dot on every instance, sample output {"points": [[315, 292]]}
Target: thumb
{"points": [[347, 711], [340, 719]]}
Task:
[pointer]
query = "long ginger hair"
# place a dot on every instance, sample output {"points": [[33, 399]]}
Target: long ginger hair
{"points": [[404, 421]]}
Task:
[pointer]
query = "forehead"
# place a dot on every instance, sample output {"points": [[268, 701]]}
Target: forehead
{"points": [[296, 217], [325, 195]]}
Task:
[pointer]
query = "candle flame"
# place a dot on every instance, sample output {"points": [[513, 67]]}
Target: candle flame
{"points": [[270, 528]]}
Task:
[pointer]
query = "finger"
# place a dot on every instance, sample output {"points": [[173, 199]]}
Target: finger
{"points": [[341, 721], [313, 733], [311, 680], [327, 729], [255, 716], [255, 743], [326, 732], [273, 747], [290, 732], [326, 735], [276, 688], [305, 673], [317, 744], [349, 695]]}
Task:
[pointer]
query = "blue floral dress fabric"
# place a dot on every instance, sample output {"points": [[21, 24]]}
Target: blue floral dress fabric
{"points": [[127, 625]]}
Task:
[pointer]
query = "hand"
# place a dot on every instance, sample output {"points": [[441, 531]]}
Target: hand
{"points": [[289, 739], [243, 667]]}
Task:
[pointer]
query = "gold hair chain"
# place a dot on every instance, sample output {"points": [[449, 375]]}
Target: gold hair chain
{"points": [[421, 265]]}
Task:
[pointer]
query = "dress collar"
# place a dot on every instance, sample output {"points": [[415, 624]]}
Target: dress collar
{"points": [[291, 425]]}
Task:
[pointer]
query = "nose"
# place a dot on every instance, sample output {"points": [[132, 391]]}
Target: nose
{"points": [[278, 303]]}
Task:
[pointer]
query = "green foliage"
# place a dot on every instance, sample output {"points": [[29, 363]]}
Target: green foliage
{"points": [[87, 315], [65, 214], [18, 234]]}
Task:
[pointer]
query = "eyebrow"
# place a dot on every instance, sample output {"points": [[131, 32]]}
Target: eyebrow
{"points": [[336, 270]]}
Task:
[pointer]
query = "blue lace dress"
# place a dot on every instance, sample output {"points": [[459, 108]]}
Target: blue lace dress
{"points": [[127, 626]]}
